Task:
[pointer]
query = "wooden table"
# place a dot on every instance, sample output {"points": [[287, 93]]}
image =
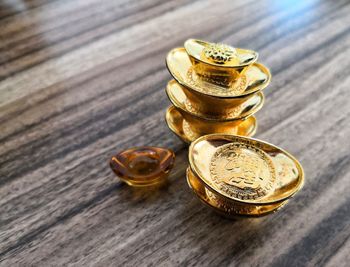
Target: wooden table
{"points": [[81, 80]]}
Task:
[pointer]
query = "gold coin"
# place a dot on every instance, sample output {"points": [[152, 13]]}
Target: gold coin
{"points": [[242, 171]]}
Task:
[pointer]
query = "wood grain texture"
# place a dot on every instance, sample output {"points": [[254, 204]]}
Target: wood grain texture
{"points": [[80, 80]]}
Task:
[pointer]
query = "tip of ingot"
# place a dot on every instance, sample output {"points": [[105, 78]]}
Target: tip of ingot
{"points": [[219, 54]]}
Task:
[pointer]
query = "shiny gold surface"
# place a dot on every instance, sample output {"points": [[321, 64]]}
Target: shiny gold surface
{"points": [[189, 132], [202, 126], [244, 169], [226, 207], [220, 63], [221, 55], [254, 78], [208, 107]]}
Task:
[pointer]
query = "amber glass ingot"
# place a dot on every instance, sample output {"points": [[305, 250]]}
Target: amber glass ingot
{"points": [[188, 132], [222, 63], [210, 107], [143, 166], [255, 78], [245, 170], [227, 208]]}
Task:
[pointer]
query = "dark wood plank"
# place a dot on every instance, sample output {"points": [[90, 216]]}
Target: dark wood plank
{"points": [[80, 80]]}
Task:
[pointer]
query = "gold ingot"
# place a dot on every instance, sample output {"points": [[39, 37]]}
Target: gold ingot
{"points": [[254, 78], [245, 170], [143, 166], [209, 107], [188, 128], [222, 63], [227, 208]]}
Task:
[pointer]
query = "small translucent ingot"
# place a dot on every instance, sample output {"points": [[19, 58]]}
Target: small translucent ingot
{"points": [[255, 78], [245, 170], [188, 133], [221, 63], [213, 107], [223, 206], [143, 166]]}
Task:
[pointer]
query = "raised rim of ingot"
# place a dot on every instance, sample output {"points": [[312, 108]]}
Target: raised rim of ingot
{"points": [[207, 107], [220, 55], [245, 169], [255, 78], [184, 130], [228, 208]]}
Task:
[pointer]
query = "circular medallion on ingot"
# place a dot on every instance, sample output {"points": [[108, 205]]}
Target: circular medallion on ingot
{"points": [[219, 53], [242, 171], [245, 170]]}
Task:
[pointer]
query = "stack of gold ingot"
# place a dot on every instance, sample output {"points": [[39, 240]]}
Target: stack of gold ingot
{"points": [[237, 175], [215, 92], [216, 89]]}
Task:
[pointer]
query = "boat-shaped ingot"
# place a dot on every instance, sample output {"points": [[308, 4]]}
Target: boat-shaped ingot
{"points": [[211, 107], [255, 78], [188, 133], [244, 169], [143, 166], [220, 63]]}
